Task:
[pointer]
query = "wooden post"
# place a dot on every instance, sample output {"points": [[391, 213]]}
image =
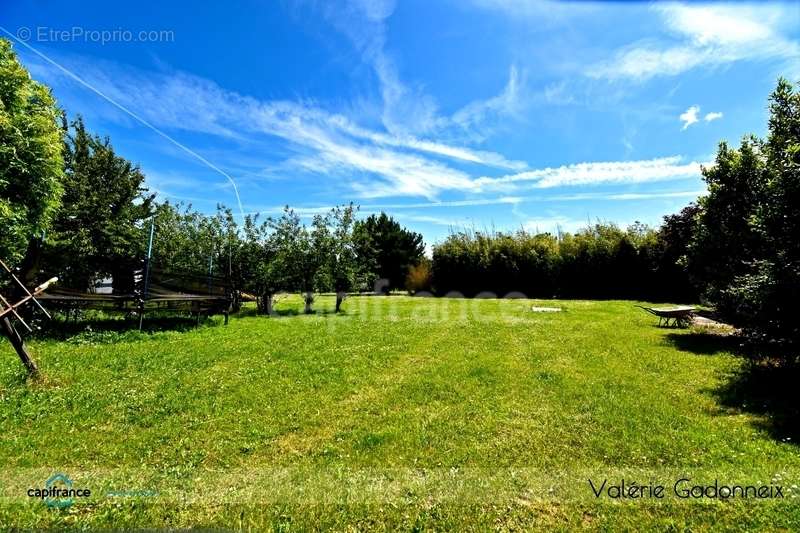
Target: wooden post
{"points": [[19, 346]]}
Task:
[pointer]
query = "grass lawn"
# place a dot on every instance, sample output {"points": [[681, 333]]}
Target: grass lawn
{"points": [[403, 412]]}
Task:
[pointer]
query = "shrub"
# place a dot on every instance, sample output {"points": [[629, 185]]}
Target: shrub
{"points": [[420, 277]]}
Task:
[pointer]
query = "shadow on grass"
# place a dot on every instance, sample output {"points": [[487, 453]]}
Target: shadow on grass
{"points": [[768, 391], [111, 327], [281, 312], [300, 312], [755, 387], [705, 343]]}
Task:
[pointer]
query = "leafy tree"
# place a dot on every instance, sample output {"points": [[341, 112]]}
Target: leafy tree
{"points": [[31, 164], [746, 248], [299, 254], [187, 241], [671, 251], [500, 263], [726, 241], [97, 232], [259, 273], [600, 261], [387, 249], [341, 260]]}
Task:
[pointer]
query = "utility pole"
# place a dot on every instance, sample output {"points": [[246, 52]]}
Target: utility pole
{"points": [[146, 280]]}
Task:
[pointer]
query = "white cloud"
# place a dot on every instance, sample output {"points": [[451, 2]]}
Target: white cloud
{"points": [[706, 35], [633, 196], [692, 116], [721, 24], [553, 224], [660, 169], [439, 221], [514, 201], [689, 116]]}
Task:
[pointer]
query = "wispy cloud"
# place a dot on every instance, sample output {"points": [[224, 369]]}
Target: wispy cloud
{"points": [[407, 109], [508, 200], [542, 10], [659, 169], [474, 116], [439, 221], [323, 144], [715, 115], [327, 142], [706, 35]]}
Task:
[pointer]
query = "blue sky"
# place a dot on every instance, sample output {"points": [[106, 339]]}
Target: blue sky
{"points": [[481, 113]]}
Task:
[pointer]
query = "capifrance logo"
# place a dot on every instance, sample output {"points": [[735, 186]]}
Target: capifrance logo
{"points": [[58, 491]]}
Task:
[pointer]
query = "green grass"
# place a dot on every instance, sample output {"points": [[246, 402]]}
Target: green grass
{"points": [[400, 413]]}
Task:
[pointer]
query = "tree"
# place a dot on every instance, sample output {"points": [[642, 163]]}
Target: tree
{"points": [[763, 299], [726, 241], [387, 249], [259, 272], [298, 257], [746, 248], [97, 232], [671, 255], [341, 259], [31, 164]]}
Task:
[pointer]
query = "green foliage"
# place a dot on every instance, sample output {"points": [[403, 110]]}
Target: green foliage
{"points": [[601, 261], [341, 266], [31, 164], [726, 240], [420, 277], [186, 241], [746, 251], [386, 249], [300, 254], [260, 258], [475, 262], [604, 261], [97, 232], [256, 272], [671, 254]]}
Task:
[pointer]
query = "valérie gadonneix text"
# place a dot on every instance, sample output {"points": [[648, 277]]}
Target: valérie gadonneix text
{"points": [[683, 488]]}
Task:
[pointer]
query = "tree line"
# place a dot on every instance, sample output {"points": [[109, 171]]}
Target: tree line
{"points": [[600, 261]]}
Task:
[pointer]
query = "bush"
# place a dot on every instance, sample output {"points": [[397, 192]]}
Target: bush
{"points": [[420, 277]]}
